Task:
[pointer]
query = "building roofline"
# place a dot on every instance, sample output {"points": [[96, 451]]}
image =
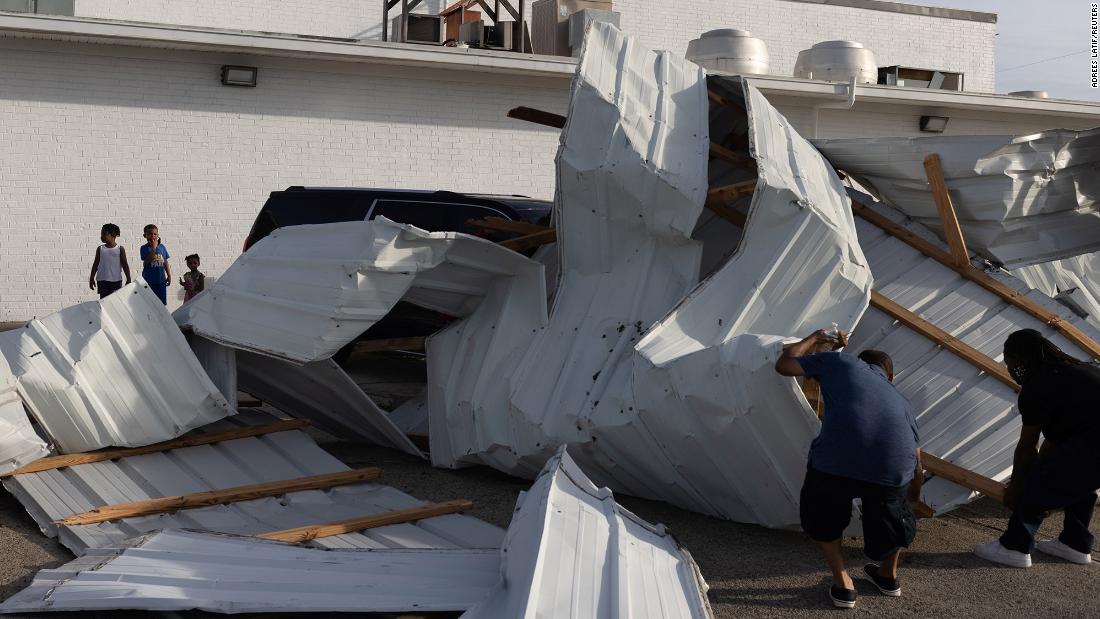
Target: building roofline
{"points": [[141, 34], [877, 93], [910, 9]]}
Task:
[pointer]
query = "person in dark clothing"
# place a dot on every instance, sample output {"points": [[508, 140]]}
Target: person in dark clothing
{"points": [[1057, 400], [867, 449]]}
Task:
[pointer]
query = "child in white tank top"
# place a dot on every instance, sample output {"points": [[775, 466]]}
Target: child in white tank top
{"points": [[109, 264]]}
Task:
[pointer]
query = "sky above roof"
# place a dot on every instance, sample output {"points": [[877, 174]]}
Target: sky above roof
{"points": [[1041, 45]]}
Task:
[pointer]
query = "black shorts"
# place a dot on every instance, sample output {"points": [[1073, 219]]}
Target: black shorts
{"points": [[106, 288], [826, 509]]}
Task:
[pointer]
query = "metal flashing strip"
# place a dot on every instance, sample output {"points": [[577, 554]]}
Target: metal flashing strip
{"points": [[190, 570], [965, 416], [55, 494], [140, 34], [572, 551], [113, 372], [1020, 200], [910, 9]]}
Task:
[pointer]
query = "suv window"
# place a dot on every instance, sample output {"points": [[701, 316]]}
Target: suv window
{"points": [[294, 208], [433, 216]]}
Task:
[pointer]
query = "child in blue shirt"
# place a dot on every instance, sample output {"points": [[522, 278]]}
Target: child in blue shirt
{"points": [[154, 258]]}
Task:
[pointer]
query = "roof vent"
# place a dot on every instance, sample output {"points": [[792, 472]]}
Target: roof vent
{"points": [[1033, 94], [729, 50], [837, 61]]}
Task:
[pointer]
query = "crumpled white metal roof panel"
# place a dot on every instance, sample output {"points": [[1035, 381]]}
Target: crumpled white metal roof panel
{"points": [[964, 416], [572, 551], [657, 418], [56, 494], [1076, 280], [323, 393], [303, 292], [19, 444], [190, 570], [111, 372], [1020, 200]]}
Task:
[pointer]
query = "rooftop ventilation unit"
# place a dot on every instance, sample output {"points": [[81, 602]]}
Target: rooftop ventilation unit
{"points": [[909, 77], [550, 23], [731, 51], [425, 29], [837, 61]]}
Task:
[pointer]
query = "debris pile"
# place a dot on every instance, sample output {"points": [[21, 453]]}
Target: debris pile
{"points": [[695, 232]]}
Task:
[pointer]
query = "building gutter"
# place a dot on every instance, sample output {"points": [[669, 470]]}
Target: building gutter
{"points": [[874, 93], [85, 30]]}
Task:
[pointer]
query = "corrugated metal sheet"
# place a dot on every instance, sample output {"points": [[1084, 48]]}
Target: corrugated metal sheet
{"points": [[305, 291], [571, 551], [19, 444], [1077, 278], [111, 372], [219, 362], [1020, 200], [670, 416], [55, 494], [964, 416], [323, 393], [187, 570]]}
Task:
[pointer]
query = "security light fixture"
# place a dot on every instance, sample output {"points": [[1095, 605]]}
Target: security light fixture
{"points": [[933, 124], [239, 76]]}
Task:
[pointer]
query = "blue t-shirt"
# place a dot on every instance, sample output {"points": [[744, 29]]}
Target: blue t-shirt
{"points": [[153, 273], [868, 432]]}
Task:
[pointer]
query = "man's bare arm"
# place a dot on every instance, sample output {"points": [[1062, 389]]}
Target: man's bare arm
{"points": [[788, 364], [95, 267]]}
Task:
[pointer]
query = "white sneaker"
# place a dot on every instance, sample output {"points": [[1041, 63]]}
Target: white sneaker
{"points": [[1056, 548], [995, 552]]}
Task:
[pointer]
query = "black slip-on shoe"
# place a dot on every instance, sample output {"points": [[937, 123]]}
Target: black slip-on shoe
{"points": [[886, 586], [843, 598]]}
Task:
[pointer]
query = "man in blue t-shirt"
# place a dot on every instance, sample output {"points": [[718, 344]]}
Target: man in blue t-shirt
{"points": [[867, 449]]}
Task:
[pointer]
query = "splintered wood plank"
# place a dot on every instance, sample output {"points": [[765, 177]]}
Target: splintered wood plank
{"points": [[56, 462], [963, 477], [500, 224], [351, 525], [531, 241], [949, 342], [948, 218], [220, 497], [743, 161], [539, 117], [981, 278]]}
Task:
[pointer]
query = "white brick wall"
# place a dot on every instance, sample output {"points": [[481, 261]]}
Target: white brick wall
{"points": [[789, 27], [92, 133], [786, 27]]}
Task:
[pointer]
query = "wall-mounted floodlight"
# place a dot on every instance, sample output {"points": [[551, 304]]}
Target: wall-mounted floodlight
{"points": [[933, 124], [239, 76]]}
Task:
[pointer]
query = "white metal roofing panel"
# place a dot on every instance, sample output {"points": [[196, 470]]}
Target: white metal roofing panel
{"points": [[572, 551], [657, 418], [55, 494], [1077, 278], [111, 372], [963, 415], [190, 570], [19, 444], [323, 393], [1020, 200], [303, 292], [219, 362]]}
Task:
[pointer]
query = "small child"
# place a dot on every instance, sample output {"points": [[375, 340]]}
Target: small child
{"points": [[156, 272], [110, 263], [193, 281]]}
